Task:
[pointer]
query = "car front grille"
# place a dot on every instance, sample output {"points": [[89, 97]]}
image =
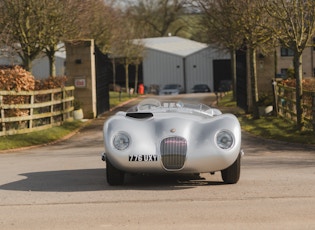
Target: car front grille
{"points": [[173, 152]]}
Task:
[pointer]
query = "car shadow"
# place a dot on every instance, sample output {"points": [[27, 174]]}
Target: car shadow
{"points": [[95, 180], [174, 181]]}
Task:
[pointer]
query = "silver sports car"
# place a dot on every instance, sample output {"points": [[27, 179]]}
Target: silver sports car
{"points": [[172, 137]]}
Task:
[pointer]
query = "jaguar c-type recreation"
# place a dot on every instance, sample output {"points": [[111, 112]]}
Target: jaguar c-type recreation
{"points": [[157, 137]]}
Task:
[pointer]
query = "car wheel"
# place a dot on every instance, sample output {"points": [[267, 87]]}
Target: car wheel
{"points": [[231, 175], [114, 175]]}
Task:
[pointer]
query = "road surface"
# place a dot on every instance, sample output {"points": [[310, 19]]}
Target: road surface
{"points": [[63, 186]]}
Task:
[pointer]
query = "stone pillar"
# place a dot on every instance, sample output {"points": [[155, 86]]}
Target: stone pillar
{"points": [[80, 70]]}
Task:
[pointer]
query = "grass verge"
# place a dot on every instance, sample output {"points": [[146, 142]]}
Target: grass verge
{"points": [[39, 137], [269, 127], [117, 98]]}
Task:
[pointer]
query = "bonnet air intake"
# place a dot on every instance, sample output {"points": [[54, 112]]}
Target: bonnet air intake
{"points": [[140, 115]]}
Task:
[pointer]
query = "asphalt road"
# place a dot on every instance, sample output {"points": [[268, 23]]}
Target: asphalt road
{"points": [[62, 186]]}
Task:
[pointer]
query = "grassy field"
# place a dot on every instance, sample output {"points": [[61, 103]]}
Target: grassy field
{"points": [[116, 98]]}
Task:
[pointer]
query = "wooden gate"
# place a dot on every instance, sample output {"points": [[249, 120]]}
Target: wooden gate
{"points": [[221, 71], [104, 72], [241, 80]]}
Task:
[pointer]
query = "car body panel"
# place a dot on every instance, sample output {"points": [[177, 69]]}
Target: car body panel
{"points": [[150, 128]]}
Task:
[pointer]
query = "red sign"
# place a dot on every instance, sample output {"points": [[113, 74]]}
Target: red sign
{"points": [[80, 82]]}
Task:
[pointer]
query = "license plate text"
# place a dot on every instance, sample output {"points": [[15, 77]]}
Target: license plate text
{"points": [[144, 158]]}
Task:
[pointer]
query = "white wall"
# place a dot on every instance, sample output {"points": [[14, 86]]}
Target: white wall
{"points": [[162, 68], [40, 68], [199, 67], [165, 68]]}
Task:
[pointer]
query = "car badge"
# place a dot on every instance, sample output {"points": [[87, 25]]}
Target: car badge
{"points": [[173, 130]]}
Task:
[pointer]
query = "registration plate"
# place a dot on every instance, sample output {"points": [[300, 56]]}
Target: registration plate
{"points": [[144, 158]]}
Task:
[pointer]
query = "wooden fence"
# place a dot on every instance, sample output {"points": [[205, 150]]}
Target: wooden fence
{"points": [[27, 111], [286, 105]]}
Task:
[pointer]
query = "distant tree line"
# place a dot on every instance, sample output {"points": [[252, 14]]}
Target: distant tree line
{"points": [[260, 25]]}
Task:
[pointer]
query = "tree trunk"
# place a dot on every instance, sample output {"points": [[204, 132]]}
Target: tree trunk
{"points": [[114, 74], [50, 53], [297, 62], [136, 78], [275, 62], [52, 65], [27, 63], [127, 76], [254, 87], [233, 72]]}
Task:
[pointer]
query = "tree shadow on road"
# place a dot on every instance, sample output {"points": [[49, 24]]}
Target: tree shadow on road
{"points": [[95, 180]]}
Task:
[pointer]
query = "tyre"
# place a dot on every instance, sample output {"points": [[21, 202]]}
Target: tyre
{"points": [[114, 176], [231, 175]]}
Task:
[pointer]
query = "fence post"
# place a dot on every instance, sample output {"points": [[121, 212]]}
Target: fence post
{"points": [[313, 110], [64, 115], [31, 111], [52, 98], [275, 97], [2, 115]]}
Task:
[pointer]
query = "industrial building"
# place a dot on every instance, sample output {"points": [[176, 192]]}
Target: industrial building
{"points": [[175, 60]]}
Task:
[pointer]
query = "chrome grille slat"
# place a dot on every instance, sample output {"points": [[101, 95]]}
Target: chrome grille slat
{"points": [[173, 152]]}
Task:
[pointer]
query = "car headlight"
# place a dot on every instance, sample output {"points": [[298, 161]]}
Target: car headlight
{"points": [[121, 141], [225, 139]]}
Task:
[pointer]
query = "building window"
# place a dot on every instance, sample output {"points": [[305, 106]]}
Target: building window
{"points": [[285, 52], [284, 73]]}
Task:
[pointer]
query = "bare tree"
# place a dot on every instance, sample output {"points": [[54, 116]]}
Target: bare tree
{"points": [[138, 58], [234, 23], [294, 29], [257, 36], [36, 26], [159, 17], [71, 19], [98, 20], [126, 49], [21, 22], [59, 23], [221, 24]]}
